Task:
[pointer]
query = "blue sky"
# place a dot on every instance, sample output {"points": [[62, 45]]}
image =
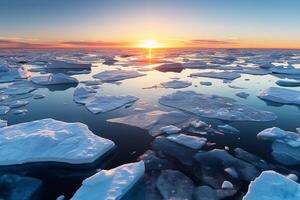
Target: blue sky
{"points": [[249, 22]]}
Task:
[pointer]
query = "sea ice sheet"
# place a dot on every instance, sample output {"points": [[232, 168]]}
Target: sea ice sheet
{"points": [[213, 106]]}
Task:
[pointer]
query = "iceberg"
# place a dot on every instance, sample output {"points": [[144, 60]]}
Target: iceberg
{"points": [[110, 184], [176, 84], [192, 142], [54, 79], [285, 145], [280, 95], [117, 75], [153, 121], [213, 106], [219, 75], [56, 141], [272, 186]]}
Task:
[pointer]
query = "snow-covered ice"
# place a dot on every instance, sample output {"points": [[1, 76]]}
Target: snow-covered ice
{"points": [[153, 121], [213, 106], [280, 95], [54, 79], [110, 184], [285, 144], [219, 75], [188, 141], [56, 141], [273, 186], [117, 75]]}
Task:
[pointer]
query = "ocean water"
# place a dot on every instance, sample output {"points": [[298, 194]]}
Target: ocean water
{"points": [[132, 142]]}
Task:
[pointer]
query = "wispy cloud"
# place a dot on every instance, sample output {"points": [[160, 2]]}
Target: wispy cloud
{"points": [[95, 44], [5, 43], [211, 43]]}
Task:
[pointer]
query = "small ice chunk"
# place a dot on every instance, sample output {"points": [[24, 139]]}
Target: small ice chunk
{"points": [[82, 94], [272, 186], [110, 184], [207, 83], [54, 79], [18, 103], [176, 84], [4, 110], [39, 96], [170, 129], [228, 129], [293, 177], [3, 123], [243, 95], [20, 111], [227, 185], [117, 75], [192, 142]]}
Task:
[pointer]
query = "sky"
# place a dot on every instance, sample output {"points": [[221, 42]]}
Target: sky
{"points": [[172, 23]]}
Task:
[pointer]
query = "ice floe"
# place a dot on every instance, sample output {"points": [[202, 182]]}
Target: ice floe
{"points": [[176, 84], [243, 95], [228, 129], [188, 141], [272, 186], [117, 75], [82, 94], [219, 75], [58, 64], [207, 83], [110, 184], [285, 70], [170, 129], [57, 141], [153, 121], [4, 110], [285, 144], [3, 123], [105, 103], [288, 83], [213, 106], [173, 184], [280, 95], [54, 79]]}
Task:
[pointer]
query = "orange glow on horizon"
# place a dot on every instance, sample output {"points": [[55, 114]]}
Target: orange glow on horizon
{"points": [[150, 44]]}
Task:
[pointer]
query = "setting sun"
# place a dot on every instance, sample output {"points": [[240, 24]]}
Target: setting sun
{"points": [[150, 44]]}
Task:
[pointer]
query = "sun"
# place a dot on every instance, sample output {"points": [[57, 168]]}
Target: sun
{"points": [[150, 44]]}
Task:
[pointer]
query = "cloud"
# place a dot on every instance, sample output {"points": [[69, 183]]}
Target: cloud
{"points": [[212, 43], [5, 43], [95, 44]]}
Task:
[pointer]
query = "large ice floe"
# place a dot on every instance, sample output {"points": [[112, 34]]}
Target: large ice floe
{"points": [[110, 184], [117, 75], [213, 106], [219, 75], [285, 144], [280, 95], [154, 121], [54, 79], [56, 141], [285, 70], [176, 84], [273, 186]]}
